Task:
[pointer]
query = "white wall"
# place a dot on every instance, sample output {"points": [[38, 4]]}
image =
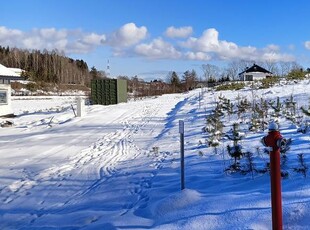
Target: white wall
{"points": [[5, 100], [259, 75], [256, 75]]}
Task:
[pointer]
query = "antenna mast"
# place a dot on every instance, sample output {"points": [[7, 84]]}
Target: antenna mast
{"points": [[108, 69]]}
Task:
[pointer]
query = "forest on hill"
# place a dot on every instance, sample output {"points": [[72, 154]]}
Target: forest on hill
{"points": [[46, 66]]}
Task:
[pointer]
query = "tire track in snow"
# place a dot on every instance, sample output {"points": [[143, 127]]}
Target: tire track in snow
{"points": [[105, 155], [141, 187], [20, 187], [119, 149]]}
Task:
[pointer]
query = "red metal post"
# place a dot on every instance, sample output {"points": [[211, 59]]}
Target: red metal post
{"points": [[276, 196], [273, 141]]}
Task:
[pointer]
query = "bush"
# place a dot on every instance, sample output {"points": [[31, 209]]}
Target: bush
{"points": [[231, 86], [296, 75], [17, 85], [32, 87], [268, 82]]}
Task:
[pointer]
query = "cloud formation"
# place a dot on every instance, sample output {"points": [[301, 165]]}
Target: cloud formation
{"points": [[210, 45], [182, 32], [68, 41], [307, 45], [158, 49], [128, 35], [128, 40], [199, 56]]}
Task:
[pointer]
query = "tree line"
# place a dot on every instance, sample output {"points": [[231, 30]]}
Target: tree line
{"points": [[213, 73], [46, 66]]}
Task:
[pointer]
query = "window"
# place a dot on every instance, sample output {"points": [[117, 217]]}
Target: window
{"points": [[3, 97], [249, 77]]}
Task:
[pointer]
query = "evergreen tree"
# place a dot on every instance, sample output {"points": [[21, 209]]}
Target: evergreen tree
{"points": [[94, 73], [175, 82], [277, 106], [235, 151]]}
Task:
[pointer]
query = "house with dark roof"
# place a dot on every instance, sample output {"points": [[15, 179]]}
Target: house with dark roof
{"points": [[255, 72], [9, 74]]}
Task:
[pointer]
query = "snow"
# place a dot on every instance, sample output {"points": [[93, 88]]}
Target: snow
{"points": [[118, 166], [4, 71]]}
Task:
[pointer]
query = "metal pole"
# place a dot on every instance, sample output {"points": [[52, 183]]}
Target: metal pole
{"points": [[276, 197], [199, 100], [181, 130]]}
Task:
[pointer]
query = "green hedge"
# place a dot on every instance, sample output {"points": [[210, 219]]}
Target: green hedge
{"points": [[231, 86]]}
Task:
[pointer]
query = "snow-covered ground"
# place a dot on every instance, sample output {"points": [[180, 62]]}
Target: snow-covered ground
{"points": [[118, 167]]}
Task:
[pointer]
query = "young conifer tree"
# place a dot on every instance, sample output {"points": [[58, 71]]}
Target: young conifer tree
{"points": [[235, 151]]}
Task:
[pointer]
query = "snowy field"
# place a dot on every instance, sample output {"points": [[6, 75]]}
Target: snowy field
{"points": [[118, 166]]}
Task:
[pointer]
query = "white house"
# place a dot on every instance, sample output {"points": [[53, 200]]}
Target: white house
{"points": [[5, 90], [255, 72], [9, 74], [5, 100]]}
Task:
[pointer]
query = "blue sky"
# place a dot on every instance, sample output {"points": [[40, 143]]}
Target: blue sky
{"points": [[150, 38]]}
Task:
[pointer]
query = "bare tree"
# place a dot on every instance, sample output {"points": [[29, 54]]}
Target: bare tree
{"points": [[233, 70], [210, 71], [244, 64], [285, 68], [272, 67]]}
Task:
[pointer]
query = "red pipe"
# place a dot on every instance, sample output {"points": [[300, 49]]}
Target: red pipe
{"points": [[276, 197]]}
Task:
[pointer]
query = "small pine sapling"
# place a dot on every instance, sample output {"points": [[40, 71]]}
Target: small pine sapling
{"points": [[235, 151], [255, 123], [303, 168], [306, 111], [263, 112], [285, 146], [244, 106], [214, 127], [276, 107], [249, 167], [290, 106], [304, 127]]}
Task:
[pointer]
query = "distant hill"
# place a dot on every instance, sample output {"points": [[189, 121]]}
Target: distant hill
{"points": [[46, 66]]}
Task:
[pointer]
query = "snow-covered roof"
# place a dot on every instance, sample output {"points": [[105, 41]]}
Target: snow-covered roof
{"points": [[17, 70], [4, 71]]}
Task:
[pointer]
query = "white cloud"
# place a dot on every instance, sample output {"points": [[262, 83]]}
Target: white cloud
{"points": [[307, 45], [210, 44], [127, 40], [200, 56], [68, 41], [128, 35], [6, 33], [158, 49], [94, 39], [275, 57], [182, 32], [272, 48], [72, 41], [52, 33]]}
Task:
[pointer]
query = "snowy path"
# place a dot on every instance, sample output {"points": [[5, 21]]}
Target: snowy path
{"points": [[84, 168]]}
